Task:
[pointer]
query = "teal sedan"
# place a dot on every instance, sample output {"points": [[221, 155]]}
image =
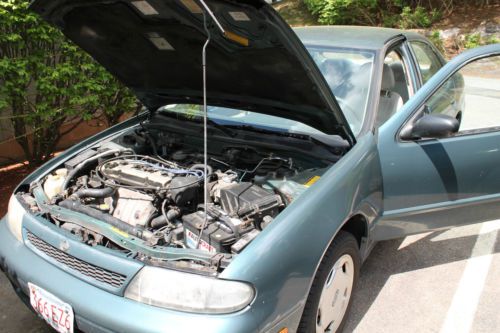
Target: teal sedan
{"points": [[256, 215]]}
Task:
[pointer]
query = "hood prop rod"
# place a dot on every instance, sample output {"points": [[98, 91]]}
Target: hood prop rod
{"points": [[205, 112]]}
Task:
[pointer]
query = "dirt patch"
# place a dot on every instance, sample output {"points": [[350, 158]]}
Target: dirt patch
{"points": [[10, 177], [469, 17], [295, 13]]}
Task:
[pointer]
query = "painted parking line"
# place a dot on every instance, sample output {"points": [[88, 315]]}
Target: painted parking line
{"points": [[463, 307]]}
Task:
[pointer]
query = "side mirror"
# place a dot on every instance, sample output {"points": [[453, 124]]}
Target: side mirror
{"points": [[431, 126]]}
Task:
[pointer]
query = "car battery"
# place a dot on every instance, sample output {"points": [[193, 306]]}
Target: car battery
{"points": [[216, 237]]}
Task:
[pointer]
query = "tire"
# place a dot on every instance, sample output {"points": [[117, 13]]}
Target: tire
{"points": [[337, 274]]}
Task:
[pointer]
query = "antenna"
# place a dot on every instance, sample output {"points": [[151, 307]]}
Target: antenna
{"points": [[205, 113]]}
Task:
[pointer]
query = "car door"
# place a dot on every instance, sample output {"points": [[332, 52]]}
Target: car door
{"points": [[427, 59], [434, 180]]}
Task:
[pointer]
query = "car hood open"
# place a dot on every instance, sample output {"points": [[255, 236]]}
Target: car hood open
{"points": [[155, 48]]}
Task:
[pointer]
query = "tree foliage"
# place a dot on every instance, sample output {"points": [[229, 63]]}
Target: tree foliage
{"points": [[45, 81], [404, 14]]}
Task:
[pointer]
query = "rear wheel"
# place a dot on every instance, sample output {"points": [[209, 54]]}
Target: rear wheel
{"points": [[330, 296]]}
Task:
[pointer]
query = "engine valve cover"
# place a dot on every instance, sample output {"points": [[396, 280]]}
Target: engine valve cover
{"points": [[137, 176]]}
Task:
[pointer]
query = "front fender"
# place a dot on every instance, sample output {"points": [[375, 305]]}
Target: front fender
{"points": [[283, 260]]}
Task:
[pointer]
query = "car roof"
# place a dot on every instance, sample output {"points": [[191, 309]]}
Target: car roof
{"points": [[358, 37]]}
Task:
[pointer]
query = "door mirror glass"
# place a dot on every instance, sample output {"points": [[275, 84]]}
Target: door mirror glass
{"points": [[432, 126]]}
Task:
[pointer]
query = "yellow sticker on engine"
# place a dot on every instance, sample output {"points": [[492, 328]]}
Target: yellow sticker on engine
{"points": [[120, 232], [311, 181]]}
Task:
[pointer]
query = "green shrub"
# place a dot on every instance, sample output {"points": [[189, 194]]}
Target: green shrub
{"points": [[471, 41], [315, 6], [474, 40], [491, 40], [418, 17], [45, 80], [342, 11], [389, 13], [391, 20], [436, 39]]}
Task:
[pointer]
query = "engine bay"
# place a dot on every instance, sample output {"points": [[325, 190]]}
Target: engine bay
{"points": [[141, 192]]}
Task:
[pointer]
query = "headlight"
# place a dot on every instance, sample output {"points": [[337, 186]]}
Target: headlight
{"points": [[188, 292], [15, 216]]}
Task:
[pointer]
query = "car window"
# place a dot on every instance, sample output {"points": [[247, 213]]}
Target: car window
{"points": [[395, 87], [471, 95], [348, 72], [401, 76], [428, 61]]}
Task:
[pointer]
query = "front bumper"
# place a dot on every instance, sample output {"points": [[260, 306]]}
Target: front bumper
{"points": [[97, 310]]}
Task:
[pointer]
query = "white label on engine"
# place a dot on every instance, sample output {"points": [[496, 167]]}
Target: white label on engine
{"points": [[191, 240]]}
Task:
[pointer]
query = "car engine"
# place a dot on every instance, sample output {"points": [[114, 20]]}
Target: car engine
{"points": [[146, 187]]}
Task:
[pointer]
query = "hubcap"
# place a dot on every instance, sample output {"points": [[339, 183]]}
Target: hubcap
{"points": [[335, 295]]}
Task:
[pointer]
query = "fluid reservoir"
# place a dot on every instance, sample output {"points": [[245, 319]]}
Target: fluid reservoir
{"points": [[293, 187], [54, 182]]}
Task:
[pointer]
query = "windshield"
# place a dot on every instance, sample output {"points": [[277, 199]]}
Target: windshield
{"points": [[349, 75], [227, 116], [348, 72]]}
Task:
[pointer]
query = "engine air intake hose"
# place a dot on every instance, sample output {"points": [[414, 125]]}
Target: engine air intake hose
{"points": [[76, 206], [94, 192]]}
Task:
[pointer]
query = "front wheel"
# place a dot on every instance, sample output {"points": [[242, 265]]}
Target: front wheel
{"points": [[330, 296]]}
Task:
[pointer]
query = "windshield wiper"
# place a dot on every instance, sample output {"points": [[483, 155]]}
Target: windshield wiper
{"points": [[335, 141], [222, 128], [331, 140], [198, 120]]}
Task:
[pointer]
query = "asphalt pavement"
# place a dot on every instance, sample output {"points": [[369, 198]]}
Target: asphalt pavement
{"points": [[445, 282], [15, 317]]}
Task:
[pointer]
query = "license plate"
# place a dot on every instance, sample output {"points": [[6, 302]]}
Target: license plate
{"points": [[56, 313]]}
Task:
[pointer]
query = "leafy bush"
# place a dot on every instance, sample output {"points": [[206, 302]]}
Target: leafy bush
{"points": [[492, 40], [435, 38], [45, 80], [417, 18], [315, 6], [471, 41], [474, 40], [342, 11]]}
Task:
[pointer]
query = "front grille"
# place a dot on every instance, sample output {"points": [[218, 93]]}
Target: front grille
{"points": [[97, 273]]}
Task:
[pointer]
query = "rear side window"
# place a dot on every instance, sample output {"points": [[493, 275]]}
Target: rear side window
{"points": [[428, 61]]}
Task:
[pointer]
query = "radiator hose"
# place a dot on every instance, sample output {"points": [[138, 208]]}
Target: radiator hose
{"points": [[78, 207], [94, 192]]}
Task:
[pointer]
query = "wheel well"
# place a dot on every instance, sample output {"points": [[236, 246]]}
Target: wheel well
{"points": [[356, 226]]}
